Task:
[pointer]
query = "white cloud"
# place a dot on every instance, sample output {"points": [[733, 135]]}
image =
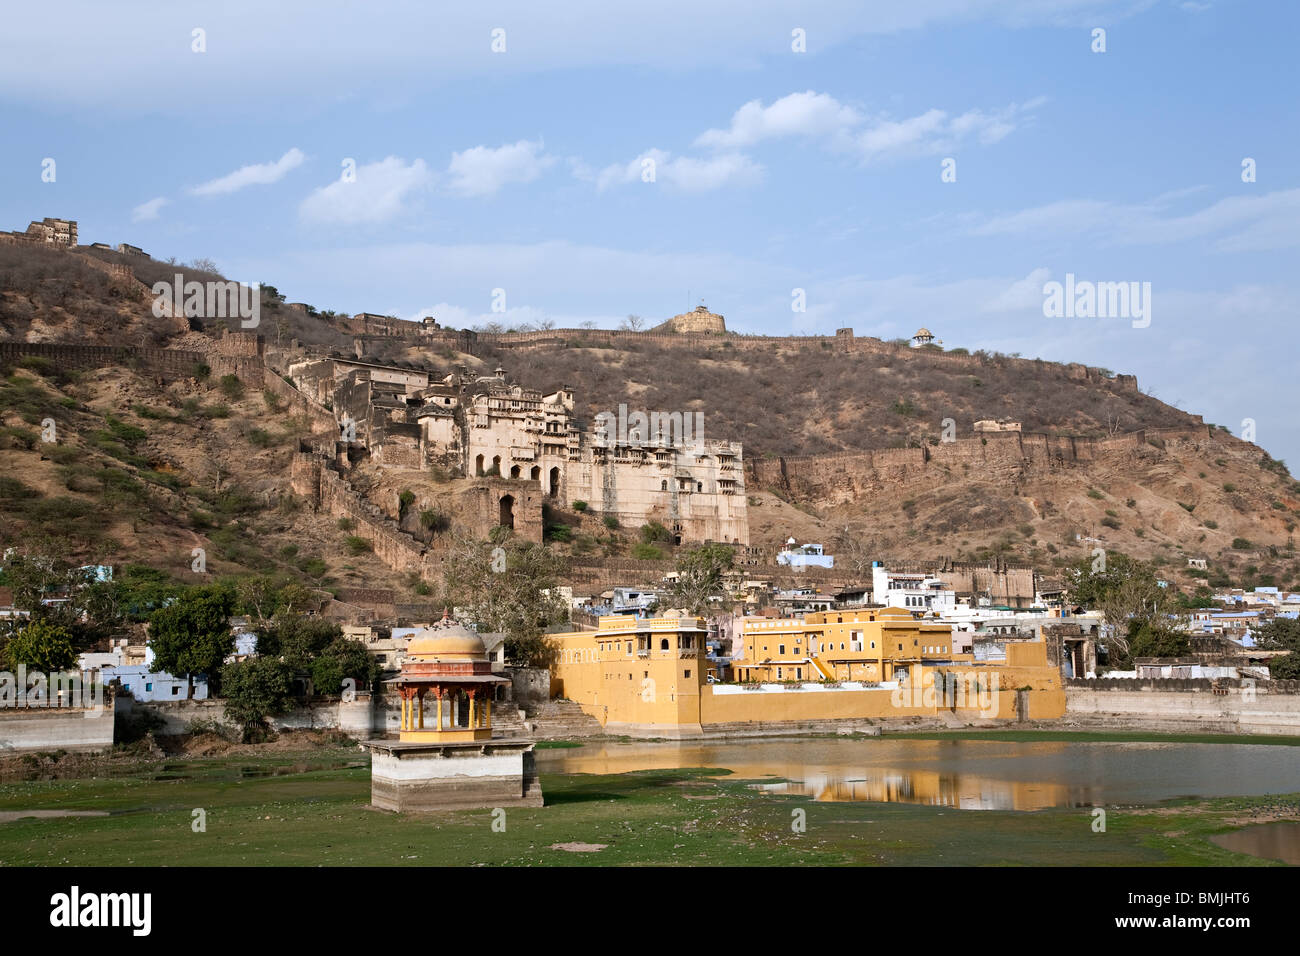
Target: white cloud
{"points": [[1026, 293], [482, 171], [934, 131], [257, 174], [148, 210], [380, 191], [683, 172], [1241, 223], [807, 114], [821, 118]]}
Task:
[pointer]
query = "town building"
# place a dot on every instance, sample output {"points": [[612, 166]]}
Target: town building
{"points": [[925, 593], [804, 556], [650, 677]]}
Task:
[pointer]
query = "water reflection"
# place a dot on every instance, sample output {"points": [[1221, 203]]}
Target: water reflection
{"points": [[1272, 841], [963, 792], [963, 774]]}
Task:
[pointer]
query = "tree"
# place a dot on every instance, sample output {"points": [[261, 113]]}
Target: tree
{"points": [[1281, 634], [699, 577], [854, 552], [513, 590], [255, 689], [633, 323], [296, 639], [192, 634], [41, 646], [1153, 640], [1126, 593], [344, 658], [653, 532], [264, 596]]}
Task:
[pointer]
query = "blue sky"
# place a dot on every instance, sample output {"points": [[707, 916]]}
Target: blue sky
{"points": [[775, 170]]}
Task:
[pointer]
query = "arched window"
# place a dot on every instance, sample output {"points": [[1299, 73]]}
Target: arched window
{"points": [[663, 644]]}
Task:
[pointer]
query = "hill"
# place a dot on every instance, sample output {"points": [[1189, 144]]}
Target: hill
{"points": [[865, 445]]}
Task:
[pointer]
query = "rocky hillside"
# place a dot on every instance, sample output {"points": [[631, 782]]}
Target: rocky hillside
{"points": [[842, 446]]}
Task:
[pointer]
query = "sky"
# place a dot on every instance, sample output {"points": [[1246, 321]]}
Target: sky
{"points": [[796, 167]]}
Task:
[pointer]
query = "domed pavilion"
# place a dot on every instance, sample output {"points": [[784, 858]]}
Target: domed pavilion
{"points": [[446, 686], [445, 757]]}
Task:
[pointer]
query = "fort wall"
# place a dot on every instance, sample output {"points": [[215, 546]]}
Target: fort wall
{"points": [[1185, 706], [845, 475]]}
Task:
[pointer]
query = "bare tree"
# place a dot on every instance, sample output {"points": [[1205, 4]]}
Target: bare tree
{"points": [[633, 323]]}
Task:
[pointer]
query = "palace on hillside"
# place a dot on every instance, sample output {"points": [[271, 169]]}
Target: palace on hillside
{"points": [[485, 426]]}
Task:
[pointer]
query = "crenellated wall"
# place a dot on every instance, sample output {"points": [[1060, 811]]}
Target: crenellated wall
{"points": [[394, 547]]}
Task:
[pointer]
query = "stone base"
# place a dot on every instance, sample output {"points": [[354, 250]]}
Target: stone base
{"points": [[415, 777]]}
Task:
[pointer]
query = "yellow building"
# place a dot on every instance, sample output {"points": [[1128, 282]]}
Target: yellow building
{"points": [[634, 673], [647, 677], [868, 644]]}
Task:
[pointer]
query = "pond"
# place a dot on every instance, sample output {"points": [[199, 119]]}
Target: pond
{"points": [[1272, 841], [964, 774]]}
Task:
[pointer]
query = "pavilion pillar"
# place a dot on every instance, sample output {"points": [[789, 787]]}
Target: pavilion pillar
{"points": [[438, 691], [419, 696], [472, 724], [487, 714]]}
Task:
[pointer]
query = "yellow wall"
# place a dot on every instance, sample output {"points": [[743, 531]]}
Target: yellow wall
{"points": [[622, 675]]}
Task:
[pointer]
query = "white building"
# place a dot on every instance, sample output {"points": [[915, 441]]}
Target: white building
{"points": [[147, 685], [804, 556], [913, 592]]}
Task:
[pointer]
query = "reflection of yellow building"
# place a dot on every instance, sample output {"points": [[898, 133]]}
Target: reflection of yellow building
{"points": [[870, 644], [647, 676]]}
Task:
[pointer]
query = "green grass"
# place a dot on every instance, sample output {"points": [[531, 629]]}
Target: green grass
{"points": [[311, 809]]}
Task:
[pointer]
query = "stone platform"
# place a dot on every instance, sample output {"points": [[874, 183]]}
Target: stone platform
{"points": [[420, 776]]}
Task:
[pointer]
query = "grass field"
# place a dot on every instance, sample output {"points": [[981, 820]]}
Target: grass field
{"points": [[311, 808]]}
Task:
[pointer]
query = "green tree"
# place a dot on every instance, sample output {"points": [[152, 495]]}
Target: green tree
{"points": [[1281, 634], [510, 586], [256, 689], [296, 638], [41, 646], [344, 658], [699, 577], [1125, 591], [192, 634], [653, 532], [1153, 640]]}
